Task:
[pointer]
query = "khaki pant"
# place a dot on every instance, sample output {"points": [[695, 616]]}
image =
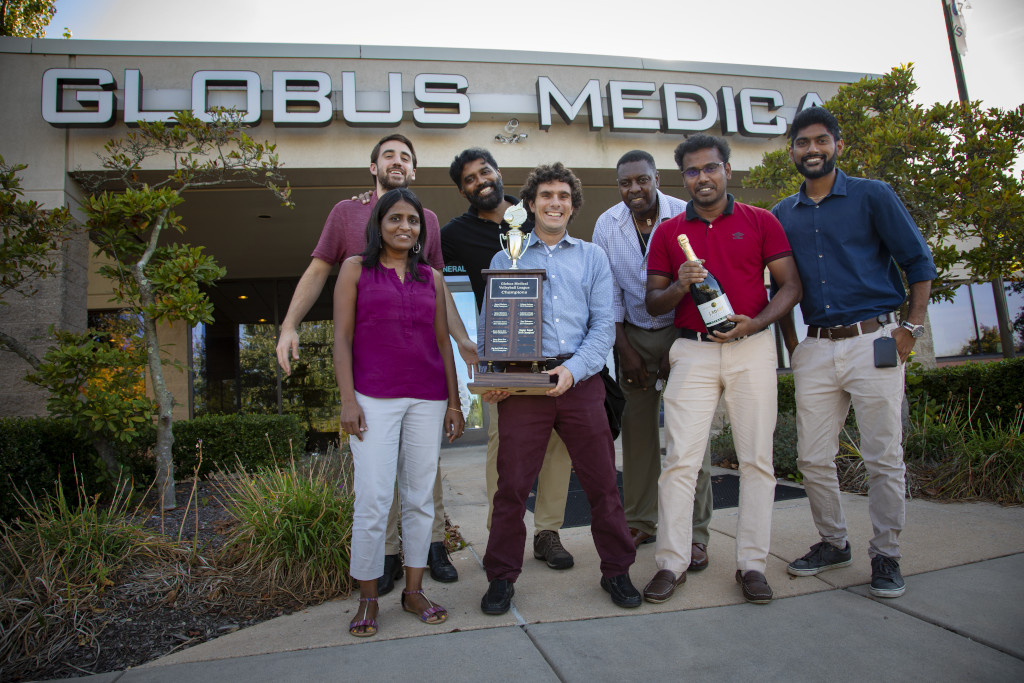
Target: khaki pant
{"points": [[742, 373], [829, 375], [552, 482], [641, 442]]}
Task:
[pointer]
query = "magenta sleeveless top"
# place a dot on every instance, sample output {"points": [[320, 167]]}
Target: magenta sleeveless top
{"points": [[394, 346]]}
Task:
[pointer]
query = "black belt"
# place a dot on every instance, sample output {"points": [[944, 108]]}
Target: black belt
{"points": [[849, 331], [527, 366], [693, 335]]}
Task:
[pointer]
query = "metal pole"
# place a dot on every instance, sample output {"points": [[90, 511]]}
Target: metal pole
{"points": [[998, 290]]}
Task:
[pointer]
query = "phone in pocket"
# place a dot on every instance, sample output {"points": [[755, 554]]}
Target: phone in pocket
{"points": [[886, 353]]}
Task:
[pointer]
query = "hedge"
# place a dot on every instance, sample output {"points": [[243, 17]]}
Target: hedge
{"points": [[36, 452], [988, 389]]}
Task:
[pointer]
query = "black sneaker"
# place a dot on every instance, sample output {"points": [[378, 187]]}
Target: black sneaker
{"points": [[823, 556], [547, 546], [886, 580]]}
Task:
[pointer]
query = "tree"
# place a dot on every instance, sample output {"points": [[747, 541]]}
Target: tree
{"points": [[163, 282], [951, 165], [30, 238], [26, 18]]}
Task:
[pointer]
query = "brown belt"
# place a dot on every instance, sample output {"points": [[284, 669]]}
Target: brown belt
{"points": [[848, 331]]}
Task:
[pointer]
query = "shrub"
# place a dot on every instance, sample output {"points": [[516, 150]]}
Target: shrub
{"points": [[992, 389], [295, 524], [35, 453], [787, 396], [227, 441]]}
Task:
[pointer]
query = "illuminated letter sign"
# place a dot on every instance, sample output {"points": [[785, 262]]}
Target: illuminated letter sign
{"points": [[226, 83], [445, 91], [310, 106], [811, 99], [97, 105], [133, 112], [773, 99], [393, 114], [727, 110], [705, 101], [618, 105], [591, 94]]}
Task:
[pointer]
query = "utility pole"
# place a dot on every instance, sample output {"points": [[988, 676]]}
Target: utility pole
{"points": [[998, 290]]}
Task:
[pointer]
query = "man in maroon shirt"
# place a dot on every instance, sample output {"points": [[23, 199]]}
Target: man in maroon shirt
{"points": [[737, 242], [392, 164]]}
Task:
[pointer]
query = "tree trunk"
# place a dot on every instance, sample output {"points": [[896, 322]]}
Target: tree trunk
{"points": [[108, 456], [164, 399]]}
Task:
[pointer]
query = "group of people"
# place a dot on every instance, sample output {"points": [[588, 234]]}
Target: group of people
{"points": [[837, 248]]}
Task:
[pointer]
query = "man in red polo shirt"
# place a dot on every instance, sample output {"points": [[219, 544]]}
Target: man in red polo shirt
{"points": [[736, 242]]}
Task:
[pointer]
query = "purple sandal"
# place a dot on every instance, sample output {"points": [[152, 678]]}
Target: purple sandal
{"points": [[435, 614], [369, 625]]}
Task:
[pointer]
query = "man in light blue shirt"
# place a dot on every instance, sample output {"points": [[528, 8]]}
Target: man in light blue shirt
{"points": [[642, 342], [577, 333]]}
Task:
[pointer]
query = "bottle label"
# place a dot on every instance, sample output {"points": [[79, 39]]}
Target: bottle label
{"points": [[716, 311]]}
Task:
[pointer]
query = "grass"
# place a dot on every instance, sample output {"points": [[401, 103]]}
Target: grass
{"points": [[295, 525], [56, 561]]}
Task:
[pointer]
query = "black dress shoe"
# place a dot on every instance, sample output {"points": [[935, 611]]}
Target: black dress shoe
{"points": [[623, 593], [441, 568], [392, 571], [498, 597]]}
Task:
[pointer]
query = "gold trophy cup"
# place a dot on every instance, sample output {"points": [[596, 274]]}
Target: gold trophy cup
{"points": [[512, 243]]}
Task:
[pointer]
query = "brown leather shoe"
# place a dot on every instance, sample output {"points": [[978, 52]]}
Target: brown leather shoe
{"points": [[640, 537], [698, 557], [662, 586], [755, 587]]}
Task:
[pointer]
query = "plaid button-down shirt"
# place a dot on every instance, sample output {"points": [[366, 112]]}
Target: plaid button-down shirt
{"points": [[615, 232]]}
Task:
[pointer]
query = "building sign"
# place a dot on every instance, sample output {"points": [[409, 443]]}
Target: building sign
{"points": [[80, 98]]}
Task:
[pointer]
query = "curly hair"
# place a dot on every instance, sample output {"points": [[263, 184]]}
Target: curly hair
{"points": [[552, 173], [466, 156]]}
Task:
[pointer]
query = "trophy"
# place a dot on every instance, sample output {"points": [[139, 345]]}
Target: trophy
{"points": [[512, 320]]}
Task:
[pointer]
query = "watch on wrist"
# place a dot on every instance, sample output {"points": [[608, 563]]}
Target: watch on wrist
{"points": [[916, 331]]}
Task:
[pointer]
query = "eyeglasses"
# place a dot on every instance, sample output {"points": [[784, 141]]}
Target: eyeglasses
{"points": [[693, 173]]}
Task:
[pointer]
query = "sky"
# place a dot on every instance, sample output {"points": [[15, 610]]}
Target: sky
{"points": [[861, 36]]}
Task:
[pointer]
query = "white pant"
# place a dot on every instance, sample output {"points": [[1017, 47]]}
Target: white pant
{"points": [[742, 373], [403, 438], [828, 375]]}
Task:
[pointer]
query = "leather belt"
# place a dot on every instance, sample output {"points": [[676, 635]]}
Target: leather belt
{"points": [[527, 366], [693, 335], [849, 331]]}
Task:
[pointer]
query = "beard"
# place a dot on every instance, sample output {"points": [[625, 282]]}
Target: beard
{"points": [[385, 181], [827, 167], [492, 200]]}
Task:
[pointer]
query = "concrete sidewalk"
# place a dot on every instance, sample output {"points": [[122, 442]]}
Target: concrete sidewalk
{"points": [[962, 616]]}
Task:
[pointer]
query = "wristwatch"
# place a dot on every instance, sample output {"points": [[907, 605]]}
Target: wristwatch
{"points": [[916, 331]]}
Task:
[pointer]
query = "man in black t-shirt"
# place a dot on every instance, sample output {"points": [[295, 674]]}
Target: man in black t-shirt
{"points": [[472, 240]]}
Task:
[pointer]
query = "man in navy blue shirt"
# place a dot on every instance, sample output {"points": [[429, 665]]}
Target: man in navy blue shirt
{"points": [[850, 238]]}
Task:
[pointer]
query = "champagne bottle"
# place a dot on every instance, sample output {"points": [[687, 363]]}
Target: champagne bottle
{"points": [[711, 300]]}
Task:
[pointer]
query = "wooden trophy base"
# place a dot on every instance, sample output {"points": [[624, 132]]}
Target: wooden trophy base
{"points": [[522, 383]]}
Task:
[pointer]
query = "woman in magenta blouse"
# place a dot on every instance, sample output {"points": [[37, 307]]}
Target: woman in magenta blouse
{"points": [[399, 396]]}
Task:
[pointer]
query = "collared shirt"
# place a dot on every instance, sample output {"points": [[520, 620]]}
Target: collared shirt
{"points": [[847, 248], [577, 306], [344, 233], [472, 241], [616, 233], [736, 247]]}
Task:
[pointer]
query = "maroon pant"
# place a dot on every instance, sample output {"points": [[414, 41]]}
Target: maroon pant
{"points": [[524, 427]]}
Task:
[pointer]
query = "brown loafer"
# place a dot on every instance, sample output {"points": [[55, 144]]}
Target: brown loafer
{"points": [[662, 586], [698, 557], [640, 537], [755, 587]]}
